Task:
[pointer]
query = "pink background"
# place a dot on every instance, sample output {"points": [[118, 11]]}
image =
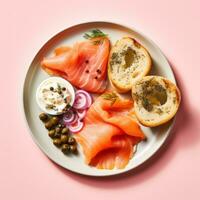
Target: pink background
{"points": [[26, 173]]}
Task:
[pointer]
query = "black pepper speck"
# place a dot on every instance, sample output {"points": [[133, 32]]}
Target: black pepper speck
{"points": [[98, 71]]}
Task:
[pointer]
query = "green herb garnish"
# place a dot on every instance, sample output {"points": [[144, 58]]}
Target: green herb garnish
{"points": [[111, 97], [97, 42], [94, 33], [152, 93], [59, 87], [147, 104], [50, 106], [115, 59]]}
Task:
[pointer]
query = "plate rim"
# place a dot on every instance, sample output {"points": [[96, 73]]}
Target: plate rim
{"points": [[124, 25]]}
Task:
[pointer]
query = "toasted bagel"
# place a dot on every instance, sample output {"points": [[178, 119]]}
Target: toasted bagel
{"points": [[156, 100], [128, 62]]}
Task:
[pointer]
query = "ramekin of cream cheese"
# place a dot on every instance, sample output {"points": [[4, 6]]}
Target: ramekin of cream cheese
{"points": [[54, 94]]}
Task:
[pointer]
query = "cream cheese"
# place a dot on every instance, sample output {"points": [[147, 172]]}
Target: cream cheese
{"points": [[54, 94]]}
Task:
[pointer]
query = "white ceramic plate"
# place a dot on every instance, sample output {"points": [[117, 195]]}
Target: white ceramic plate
{"points": [[35, 75]]}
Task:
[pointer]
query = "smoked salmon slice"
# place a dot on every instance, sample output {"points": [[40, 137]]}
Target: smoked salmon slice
{"points": [[84, 64], [110, 132]]}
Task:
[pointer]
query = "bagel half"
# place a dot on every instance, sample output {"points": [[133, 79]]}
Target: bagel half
{"points": [[128, 62], [156, 100]]}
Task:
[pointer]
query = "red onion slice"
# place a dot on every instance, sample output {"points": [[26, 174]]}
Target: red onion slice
{"points": [[76, 127], [75, 120], [69, 116], [81, 113], [80, 101], [87, 95]]}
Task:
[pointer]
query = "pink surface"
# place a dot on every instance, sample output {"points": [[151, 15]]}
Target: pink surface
{"points": [[26, 173]]}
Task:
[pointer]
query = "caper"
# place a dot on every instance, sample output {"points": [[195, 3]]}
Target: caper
{"points": [[57, 135], [58, 130], [65, 148], [51, 88], [52, 133], [64, 88], [54, 120], [73, 148], [71, 140], [64, 131], [43, 116], [68, 105], [64, 138], [48, 125], [57, 142]]}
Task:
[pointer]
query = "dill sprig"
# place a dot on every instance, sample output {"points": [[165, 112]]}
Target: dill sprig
{"points": [[94, 33], [98, 42], [111, 97]]}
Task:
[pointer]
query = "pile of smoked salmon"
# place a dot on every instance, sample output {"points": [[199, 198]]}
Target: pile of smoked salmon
{"points": [[84, 64], [110, 130]]}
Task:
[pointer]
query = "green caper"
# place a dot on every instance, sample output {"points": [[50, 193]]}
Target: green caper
{"points": [[54, 120], [43, 116], [71, 140], [52, 133], [73, 148], [57, 142], [57, 135], [48, 125], [64, 138], [64, 131], [65, 148], [58, 130]]}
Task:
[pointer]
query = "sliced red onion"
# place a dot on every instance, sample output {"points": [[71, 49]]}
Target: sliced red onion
{"points": [[76, 127], [80, 101], [75, 120], [88, 98], [69, 116], [81, 113]]}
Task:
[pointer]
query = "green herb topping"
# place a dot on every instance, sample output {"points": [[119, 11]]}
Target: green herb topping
{"points": [[152, 94], [115, 59], [94, 33], [110, 96]]}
